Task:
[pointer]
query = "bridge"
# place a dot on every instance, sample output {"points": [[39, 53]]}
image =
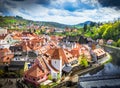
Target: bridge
{"points": [[94, 78], [105, 81]]}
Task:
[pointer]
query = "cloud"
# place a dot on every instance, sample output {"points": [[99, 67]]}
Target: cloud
{"points": [[62, 11], [110, 3], [44, 2], [18, 0]]}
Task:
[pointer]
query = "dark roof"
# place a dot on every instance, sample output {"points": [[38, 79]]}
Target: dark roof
{"points": [[67, 69], [17, 63]]}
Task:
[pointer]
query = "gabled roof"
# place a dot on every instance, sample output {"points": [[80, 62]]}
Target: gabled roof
{"points": [[99, 51], [44, 66], [3, 36], [4, 50], [58, 53], [35, 71]]}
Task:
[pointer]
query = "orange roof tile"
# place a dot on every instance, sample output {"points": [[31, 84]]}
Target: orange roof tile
{"points": [[35, 71], [3, 36]]}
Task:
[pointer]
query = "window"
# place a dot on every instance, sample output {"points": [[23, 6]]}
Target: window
{"points": [[38, 79], [8, 58], [33, 79]]}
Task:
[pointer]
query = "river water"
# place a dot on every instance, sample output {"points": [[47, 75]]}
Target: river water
{"points": [[111, 68]]}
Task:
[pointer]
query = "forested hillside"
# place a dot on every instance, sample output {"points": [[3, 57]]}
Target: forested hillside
{"points": [[110, 30]]}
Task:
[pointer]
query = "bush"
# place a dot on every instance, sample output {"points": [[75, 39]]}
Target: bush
{"points": [[114, 43], [118, 43], [1, 73], [84, 61]]}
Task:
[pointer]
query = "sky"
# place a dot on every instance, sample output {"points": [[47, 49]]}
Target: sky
{"points": [[62, 11]]}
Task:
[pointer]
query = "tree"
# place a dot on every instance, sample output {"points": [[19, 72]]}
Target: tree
{"points": [[85, 27], [1, 72], [50, 77], [118, 43], [83, 60]]}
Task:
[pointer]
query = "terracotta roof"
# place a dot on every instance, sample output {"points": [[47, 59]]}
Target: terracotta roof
{"points": [[3, 36], [50, 51], [75, 53], [44, 49], [35, 71], [43, 65], [99, 52], [16, 37], [58, 54], [4, 50], [25, 46], [6, 58]]}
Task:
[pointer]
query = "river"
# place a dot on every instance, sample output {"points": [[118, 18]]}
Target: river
{"points": [[111, 68]]}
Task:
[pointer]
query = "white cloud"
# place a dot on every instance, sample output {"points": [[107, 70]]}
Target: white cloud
{"points": [[40, 13]]}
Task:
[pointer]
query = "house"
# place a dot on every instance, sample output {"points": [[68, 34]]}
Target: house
{"points": [[2, 39], [58, 58], [100, 53], [17, 66], [16, 49], [85, 50], [5, 56], [44, 49], [17, 37], [67, 29], [25, 46], [36, 75], [27, 36], [6, 39], [101, 41], [110, 41], [3, 31]]}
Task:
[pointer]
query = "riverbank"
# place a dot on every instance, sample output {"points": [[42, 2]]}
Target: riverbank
{"points": [[73, 77], [106, 59], [112, 47]]}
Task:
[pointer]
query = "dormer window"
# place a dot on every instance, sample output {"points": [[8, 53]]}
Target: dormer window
{"points": [[8, 58]]}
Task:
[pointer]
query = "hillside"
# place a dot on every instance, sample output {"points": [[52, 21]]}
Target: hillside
{"points": [[106, 31], [8, 21]]}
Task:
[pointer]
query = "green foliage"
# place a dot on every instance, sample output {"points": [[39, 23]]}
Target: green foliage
{"points": [[114, 44], [51, 85], [58, 76], [85, 27], [105, 31], [83, 61], [110, 31], [118, 43], [50, 77], [1, 72]]}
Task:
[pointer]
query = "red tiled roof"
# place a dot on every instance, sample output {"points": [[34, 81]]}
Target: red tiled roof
{"points": [[43, 65], [35, 71], [99, 52], [3, 36]]}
